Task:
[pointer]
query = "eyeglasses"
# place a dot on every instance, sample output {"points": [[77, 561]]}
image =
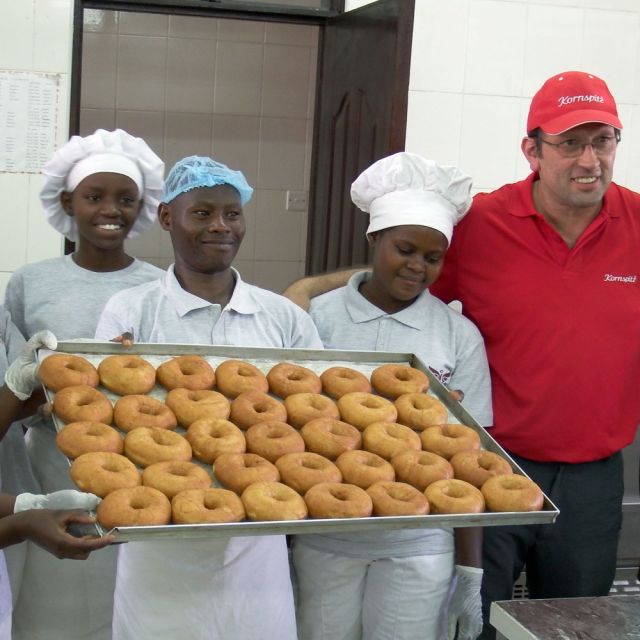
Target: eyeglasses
{"points": [[573, 148]]}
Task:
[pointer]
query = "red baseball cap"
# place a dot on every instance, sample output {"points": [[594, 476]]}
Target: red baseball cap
{"points": [[570, 99]]}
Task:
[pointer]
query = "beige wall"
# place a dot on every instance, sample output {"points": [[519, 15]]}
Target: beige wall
{"points": [[240, 91]]}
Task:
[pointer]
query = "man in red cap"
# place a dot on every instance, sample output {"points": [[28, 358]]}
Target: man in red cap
{"points": [[548, 270]]}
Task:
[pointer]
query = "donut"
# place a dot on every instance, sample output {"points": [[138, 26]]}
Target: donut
{"points": [[127, 374], [301, 471], [338, 500], [233, 377], [190, 405], [102, 472], [329, 437], [236, 471], [130, 412], [420, 411], [60, 370], [186, 372], [173, 476], [363, 409], [273, 501], [388, 438], [363, 468], [304, 407], [512, 492], [287, 378], [201, 506], [82, 404], [448, 439], [420, 468], [397, 499], [393, 380], [145, 445], [273, 439], [454, 496], [252, 407], [77, 438], [211, 437], [134, 507], [476, 467], [336, 381]]}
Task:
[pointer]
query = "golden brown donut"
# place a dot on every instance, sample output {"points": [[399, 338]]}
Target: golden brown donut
{"points": [[186, 372], [136, 410], [512, 492], [304, 407], [173, 476], [127, 374], [252, 407], [363, 409], [397, 499], [388, 438], [336, 381], [145, 445], [287, 378], [454, 496], [301, 471], [338, 500], [330, 438], [134, 507], [363, 468], [273, 501], [273, 439], [448, 439], [393, 380], [101, 472], [82, 404], [190, 405], [210, 438], [60, 370], [233, 377], [420, 468], [420, 411], [201, 506], [476, 467], [236, 471], [77, 438]]}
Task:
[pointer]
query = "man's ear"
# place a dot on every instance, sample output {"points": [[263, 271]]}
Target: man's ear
{"points": [[372, 238], [531, 151], [65, 201], [164, 216]]}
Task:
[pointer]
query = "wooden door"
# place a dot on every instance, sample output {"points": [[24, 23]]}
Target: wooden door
{"points": [[361, 116]]}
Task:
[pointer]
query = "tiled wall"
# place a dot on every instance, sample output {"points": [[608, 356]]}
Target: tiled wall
{"points": [[241, 91]]}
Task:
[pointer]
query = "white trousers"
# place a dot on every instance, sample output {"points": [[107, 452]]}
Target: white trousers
{"points": [[204, 589], [344, 598]]}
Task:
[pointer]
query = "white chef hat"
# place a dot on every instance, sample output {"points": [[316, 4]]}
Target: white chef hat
{"points": [[102, 151], [406, 188]]}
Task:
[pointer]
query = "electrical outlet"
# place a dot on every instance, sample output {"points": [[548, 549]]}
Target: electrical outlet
{"points": [[297, 200]]}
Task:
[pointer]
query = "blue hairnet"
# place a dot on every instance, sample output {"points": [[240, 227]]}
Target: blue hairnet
{"points": [[196, 172]]}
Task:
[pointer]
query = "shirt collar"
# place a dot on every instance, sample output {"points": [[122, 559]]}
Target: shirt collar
{"points": [[183, 302]]}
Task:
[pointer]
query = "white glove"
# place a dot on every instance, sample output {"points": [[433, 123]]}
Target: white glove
{"points": [[22, 376], [64, 499], [465, 607]]}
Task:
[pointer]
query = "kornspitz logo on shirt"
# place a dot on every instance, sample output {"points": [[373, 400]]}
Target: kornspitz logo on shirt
{"points": [[610, 277], [565, 100], [443, 375]]}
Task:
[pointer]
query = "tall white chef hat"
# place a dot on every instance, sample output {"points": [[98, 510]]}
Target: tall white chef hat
{"points": [[406, 188], [102, 151]]}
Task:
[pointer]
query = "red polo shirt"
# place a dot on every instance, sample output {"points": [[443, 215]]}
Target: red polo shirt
{"points": [[562, 326]]}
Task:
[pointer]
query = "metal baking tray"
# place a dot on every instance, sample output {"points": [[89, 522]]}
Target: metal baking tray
{"points": [[316, 360]]}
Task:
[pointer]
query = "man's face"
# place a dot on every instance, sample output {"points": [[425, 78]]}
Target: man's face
{"points": [[572, 183], [206, 226]]}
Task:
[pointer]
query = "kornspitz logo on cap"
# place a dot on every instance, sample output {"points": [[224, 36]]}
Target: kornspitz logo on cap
{"points": [[562, 100]]}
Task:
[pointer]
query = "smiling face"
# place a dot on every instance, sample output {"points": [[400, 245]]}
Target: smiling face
{"points": [[206, 226], [406, 260], [105, 207]]}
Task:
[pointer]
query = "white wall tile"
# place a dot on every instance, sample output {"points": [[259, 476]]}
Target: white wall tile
{"points": [[241, 30], [5, 276], [16, 34], [92, 119], [281, 153], [100, 21], [193, 27], [292, 34], [629, 151], [612, 5], [235, 141], [143, 24], [285, 81], [147, 243], [245, 267], [276, 275], [42, 240], [52, 23], [13, 220], [277, 230], [186, 134], [148, 125], [99, 71], [238, 79]]}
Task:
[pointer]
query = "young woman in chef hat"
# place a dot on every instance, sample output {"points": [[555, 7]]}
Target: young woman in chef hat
{"points": [[400, 584]]}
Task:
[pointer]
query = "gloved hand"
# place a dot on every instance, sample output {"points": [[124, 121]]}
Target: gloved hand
{"points": [[22, 376], [64, 499], [465, 607]]}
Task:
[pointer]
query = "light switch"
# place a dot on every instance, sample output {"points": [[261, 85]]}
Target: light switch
{"points": [[297, 200]]}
